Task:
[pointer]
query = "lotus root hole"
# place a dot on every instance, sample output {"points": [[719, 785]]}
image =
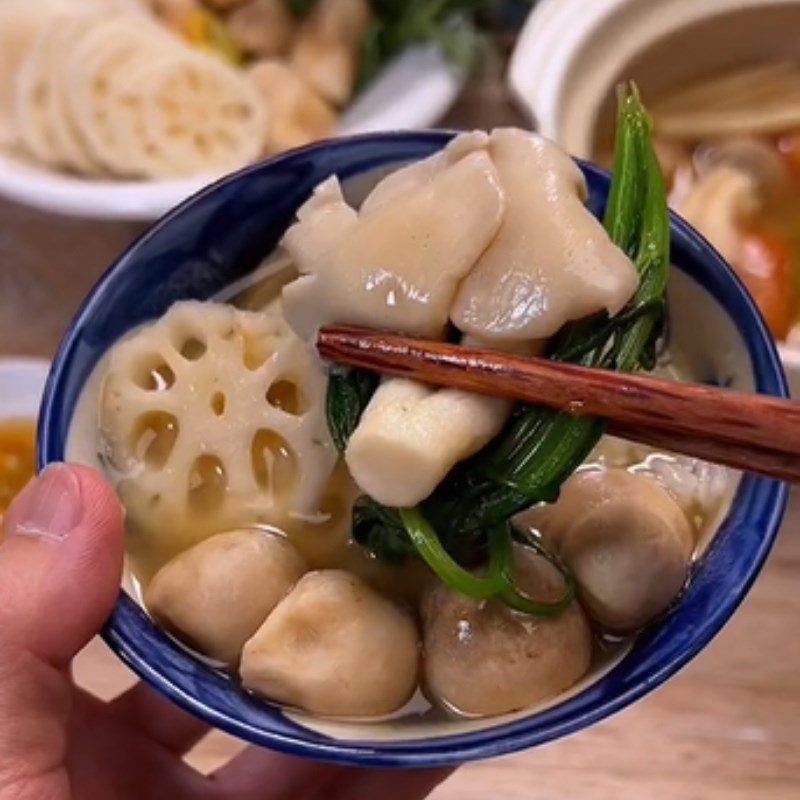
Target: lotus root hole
{"points": [[218, 404], [274, 463], [193, 349], [256, 350], [207, 483], [153, 438], [153, 374], [287, 396]]}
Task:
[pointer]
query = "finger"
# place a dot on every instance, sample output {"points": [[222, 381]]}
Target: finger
{"points": [[161, 720], [60, 563], [264, 775], [386, 784]]}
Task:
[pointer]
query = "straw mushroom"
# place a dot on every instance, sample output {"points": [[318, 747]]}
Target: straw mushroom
{"points": [[482, 658], [625, 538]]}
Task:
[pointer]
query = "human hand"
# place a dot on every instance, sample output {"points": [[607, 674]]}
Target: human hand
{"points": [[60, 571]]}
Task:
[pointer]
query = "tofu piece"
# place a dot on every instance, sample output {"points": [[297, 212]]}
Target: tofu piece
{"points": [[411, 435]]}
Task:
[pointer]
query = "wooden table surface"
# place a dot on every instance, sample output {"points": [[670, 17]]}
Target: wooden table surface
{"points": [[726, 728]]}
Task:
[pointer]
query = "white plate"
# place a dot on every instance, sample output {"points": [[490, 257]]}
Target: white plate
{"points": [[412, 92], [571, 53], [21, 385]]}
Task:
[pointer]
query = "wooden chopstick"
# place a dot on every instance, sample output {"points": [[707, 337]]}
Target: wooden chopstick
{"points": [[747, 431]]}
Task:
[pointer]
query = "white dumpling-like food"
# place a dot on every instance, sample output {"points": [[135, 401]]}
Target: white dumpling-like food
{"points": [[482, 658], [334, 646], [417, 174], [327, 48], [262, 27], [410, 435], [551, 262], [395, 264], [215, 595], [213, 418], [297, 114], [626, 540]]}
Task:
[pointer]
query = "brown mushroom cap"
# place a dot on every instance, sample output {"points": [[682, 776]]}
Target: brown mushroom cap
{"points": [[482, 658]]}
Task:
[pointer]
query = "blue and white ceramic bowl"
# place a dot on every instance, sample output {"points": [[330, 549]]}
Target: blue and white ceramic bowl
{"points": [[222, 234]]}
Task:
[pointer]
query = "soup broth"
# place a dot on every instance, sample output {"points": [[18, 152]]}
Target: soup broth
{"points": [[351, 547], [325, 541]]}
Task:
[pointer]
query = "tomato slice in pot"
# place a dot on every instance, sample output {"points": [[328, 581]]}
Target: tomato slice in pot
{"points": [[766, 269], [789, 148]]}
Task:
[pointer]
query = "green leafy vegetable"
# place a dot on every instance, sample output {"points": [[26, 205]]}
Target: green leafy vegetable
{"points": [[498, 581], [381, 531], [349, 391], [452, 24], [540, 447], [500, 541], [427, 543]]}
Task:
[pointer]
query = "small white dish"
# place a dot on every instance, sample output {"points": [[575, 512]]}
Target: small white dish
{"points": [[22, 382], [570, 55], [412, 92]]}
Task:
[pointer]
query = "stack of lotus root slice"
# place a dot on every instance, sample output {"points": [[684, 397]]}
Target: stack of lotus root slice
{"points": [[102, 89]]}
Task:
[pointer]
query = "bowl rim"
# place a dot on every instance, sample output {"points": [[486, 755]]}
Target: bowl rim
{"points": [[763, 503]]}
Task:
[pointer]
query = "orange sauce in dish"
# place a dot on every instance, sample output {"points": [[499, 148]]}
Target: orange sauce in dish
{"points": [[17, 459]]}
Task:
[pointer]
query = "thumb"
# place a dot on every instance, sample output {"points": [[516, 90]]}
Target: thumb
{"points": [[60, 563]]}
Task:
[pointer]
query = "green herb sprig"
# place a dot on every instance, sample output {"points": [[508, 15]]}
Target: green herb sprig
{"points": [[454, 25]]}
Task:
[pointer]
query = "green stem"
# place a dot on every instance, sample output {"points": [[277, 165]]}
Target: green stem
{"points": [[498, 582], [438, 559], [500, 544]]}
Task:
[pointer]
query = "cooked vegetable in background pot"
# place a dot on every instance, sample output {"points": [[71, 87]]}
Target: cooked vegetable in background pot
{"points": [[728, 148]]}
